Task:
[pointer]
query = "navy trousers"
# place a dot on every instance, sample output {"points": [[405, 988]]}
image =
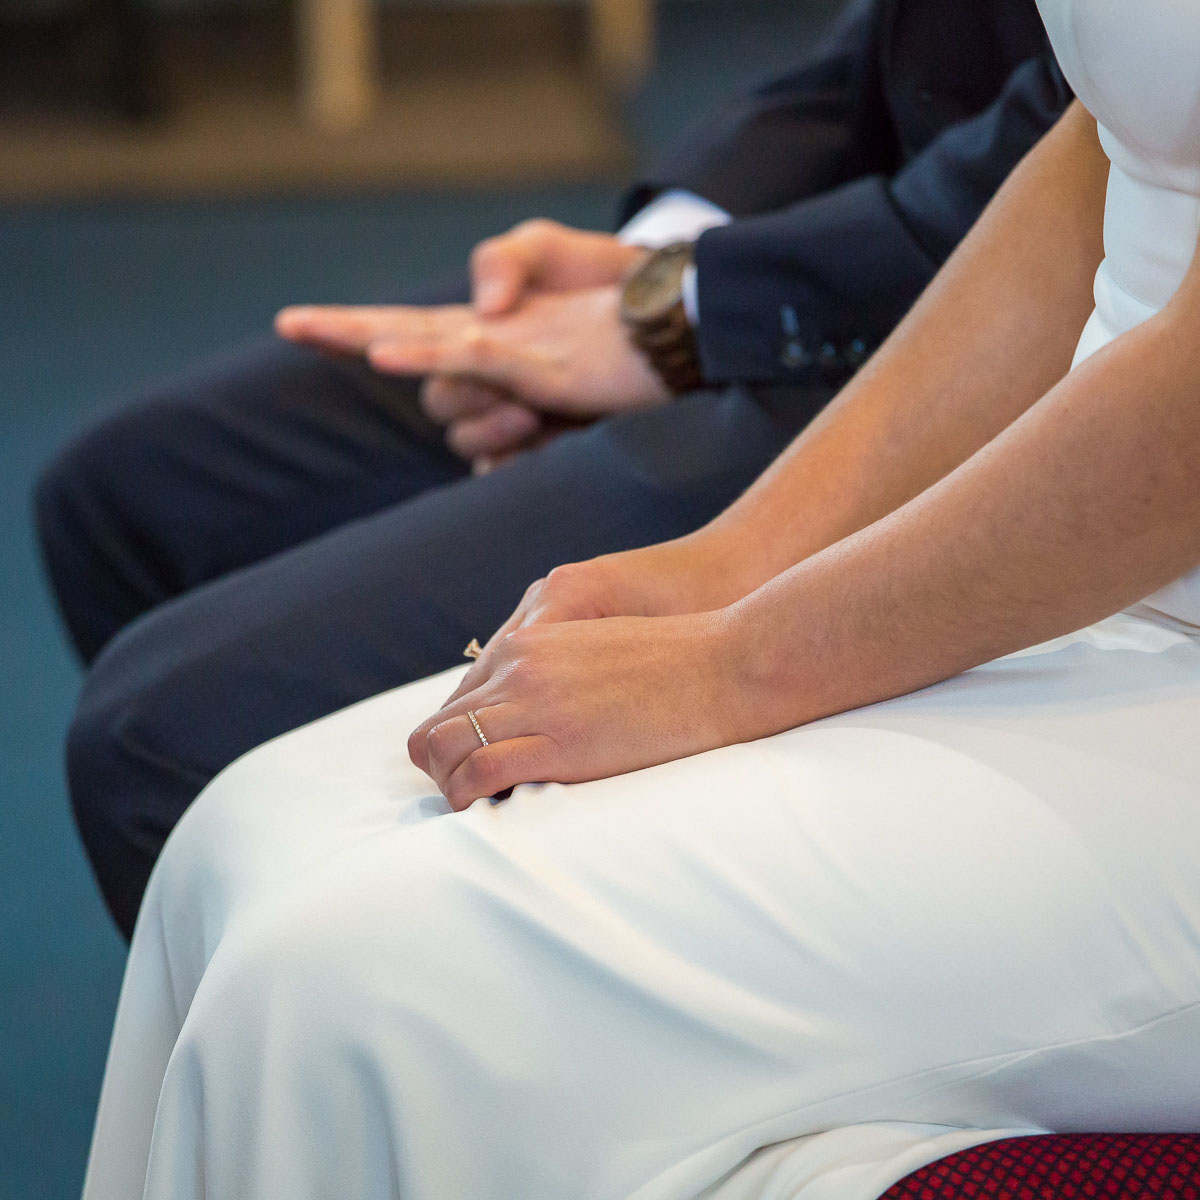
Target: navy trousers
{"points": [[279, 534]]}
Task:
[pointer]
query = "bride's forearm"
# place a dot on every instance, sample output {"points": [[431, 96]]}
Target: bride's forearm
{"points": [[994, 331], [1087, 503]]}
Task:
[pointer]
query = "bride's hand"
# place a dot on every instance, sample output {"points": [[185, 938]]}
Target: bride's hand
{"points": [[607, 665], [568, 701], [687, 575]]}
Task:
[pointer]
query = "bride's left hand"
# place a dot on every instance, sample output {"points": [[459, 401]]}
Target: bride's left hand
{"points": [[569, 701]]}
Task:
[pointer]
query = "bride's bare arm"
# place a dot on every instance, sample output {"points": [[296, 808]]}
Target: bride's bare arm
{"points": [[992, 334], [1087, 502]]}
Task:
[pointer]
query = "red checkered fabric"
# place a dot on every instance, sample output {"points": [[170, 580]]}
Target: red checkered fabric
{"points": [[1063, 1166]]}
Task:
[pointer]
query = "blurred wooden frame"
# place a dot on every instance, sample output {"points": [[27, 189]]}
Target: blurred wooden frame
{"points": [[621, 40], [338, 57]]}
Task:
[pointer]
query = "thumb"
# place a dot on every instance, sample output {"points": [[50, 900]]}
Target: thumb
{"points": [[499, 277]]}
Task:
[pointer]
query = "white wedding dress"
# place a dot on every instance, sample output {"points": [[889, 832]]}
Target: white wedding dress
{"points": [[793, 969]]}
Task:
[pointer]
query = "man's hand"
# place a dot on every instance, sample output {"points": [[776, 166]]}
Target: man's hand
{"points": [[561, 353], [544, 256], [486, 423], [486, 413]]}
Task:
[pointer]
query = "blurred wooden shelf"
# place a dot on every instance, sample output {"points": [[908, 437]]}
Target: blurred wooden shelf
{"points": [[337, 44], [461, 102]]}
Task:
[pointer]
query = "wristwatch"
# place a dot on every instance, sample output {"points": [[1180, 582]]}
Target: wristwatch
{"points": [[653, 312]]}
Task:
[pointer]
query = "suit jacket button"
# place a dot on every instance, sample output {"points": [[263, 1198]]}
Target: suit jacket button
{"points": [[830, 361], [855, 353], [795, 356]]}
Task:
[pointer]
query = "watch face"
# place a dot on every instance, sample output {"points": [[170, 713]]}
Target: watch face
{"points": [[657, 285]]}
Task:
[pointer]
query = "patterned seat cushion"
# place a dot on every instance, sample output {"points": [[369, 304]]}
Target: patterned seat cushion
{"points": [[1063, 1166]]}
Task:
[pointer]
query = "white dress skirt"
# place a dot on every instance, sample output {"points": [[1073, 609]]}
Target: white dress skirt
{"points": [[797, 968], [860, 944]]}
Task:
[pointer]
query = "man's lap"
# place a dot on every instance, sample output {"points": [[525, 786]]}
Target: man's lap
{"points": [[242, 457]]}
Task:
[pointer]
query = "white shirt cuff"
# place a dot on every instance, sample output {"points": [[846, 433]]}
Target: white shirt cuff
{"points": [[675, 216], [691, 297]]}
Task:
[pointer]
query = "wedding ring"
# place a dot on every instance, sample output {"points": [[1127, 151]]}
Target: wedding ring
{"points": [[475, 722], [473, 650]]}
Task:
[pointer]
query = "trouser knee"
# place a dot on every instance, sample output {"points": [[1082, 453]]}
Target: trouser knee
{"points": [[87, 545], [127, 790]]}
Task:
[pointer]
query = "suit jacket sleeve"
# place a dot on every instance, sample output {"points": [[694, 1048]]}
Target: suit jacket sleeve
{"points": [[809, 289], [798, 135]]}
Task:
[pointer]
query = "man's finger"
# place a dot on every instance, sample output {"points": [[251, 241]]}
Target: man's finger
{"points": [[504, 268], [446, 348], [449, 398], [499, 276], [355, 328], [344, 327], [504, 428]]}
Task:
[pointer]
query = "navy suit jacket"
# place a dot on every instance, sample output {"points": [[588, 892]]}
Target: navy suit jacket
{"points": [[853, 178]]}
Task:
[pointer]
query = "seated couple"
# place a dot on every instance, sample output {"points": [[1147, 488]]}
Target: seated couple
{"points": [[854, 812]]}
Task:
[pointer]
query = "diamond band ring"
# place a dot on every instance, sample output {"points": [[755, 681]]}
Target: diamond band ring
{"points": [[475, 722]]}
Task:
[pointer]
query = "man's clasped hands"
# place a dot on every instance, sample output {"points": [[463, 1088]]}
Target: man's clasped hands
{"points": [[541, 342]]}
